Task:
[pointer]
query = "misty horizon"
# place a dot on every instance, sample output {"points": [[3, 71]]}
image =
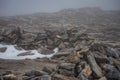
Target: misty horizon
{"points": [[23, 7]]}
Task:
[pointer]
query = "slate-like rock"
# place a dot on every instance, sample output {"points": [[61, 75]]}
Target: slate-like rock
{"points": [[49, 70], [67, 66], [94, 66]]}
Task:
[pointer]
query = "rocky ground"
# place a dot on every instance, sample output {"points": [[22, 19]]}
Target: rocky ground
{"points": [[90, 51]]}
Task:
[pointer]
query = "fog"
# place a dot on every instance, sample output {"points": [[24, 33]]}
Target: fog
{"points": [[19, 7]]}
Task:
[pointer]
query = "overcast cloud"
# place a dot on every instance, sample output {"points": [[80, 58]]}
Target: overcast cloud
{"points": [[18, 7]]}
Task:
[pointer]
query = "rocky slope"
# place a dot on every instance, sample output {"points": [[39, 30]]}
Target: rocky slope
{"points": [[87, 38]]}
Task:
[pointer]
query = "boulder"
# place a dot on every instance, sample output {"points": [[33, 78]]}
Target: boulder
{"points": [[108, 67], [113, 52], [62, 46], [81, 76], [94, 66], [62, 77], [59, 77], [3, 49], [48, 70], [66, 69], [99, 57], [44, 51], [79, 67], [67, 66], [61, 54], [28, 37], [113, 75], [18, 48], [66, 72], [12, 34], [73, 58]]}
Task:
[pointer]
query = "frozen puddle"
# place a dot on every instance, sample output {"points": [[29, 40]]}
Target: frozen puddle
{"points": [[12, 52]]}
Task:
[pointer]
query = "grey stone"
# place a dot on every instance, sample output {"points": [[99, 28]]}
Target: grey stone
{"points": [[49, 70], [95, 67], [65, 72], [81, 76], [67, 66], [113, 75], [3, 49], [44, 51], [113, 52]]}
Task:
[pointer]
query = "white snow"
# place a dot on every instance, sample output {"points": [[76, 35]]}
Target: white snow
{"points": [[12, 52]]}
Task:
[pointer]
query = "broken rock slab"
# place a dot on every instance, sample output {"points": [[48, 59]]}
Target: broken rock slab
{"points": [[25, 53], [113, 52], [67, 66], [61, 54], [44, 51], [94, 66]]}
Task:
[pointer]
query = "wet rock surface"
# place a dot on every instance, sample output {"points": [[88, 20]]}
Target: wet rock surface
{"points": [[3, 49]]}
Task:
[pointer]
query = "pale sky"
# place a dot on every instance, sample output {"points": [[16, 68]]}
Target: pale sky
{"points": [[18, 7]]}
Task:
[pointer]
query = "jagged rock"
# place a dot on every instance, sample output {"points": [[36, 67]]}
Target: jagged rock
{"points": [[73, 58], [112, 72], [114, 62], [66, 72], [49, 70], [59, 77], [87, 70], [94, 66], [44, 51], [62, 77], [10, 77], [113, 52], [45, 77], [61, 54], [28, 37], [62, 46], [25, 53], [18, 48], [108, 67], [113, 75], [67, 66], [58, 36], [3, 49], [41, 36], [34, 73], [81, 76], [99, 57], [66, 69], [57, 42], [6, 72], [27, 45], [12, 35], [79, 67], [50, 42], [103, 78], [78, 47], [99, 47]]}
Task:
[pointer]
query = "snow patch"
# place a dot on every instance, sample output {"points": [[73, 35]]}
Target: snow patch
{"points": [[12, 52]]}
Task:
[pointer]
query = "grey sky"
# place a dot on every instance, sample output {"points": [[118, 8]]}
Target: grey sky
{"points": [[16, 7]]}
